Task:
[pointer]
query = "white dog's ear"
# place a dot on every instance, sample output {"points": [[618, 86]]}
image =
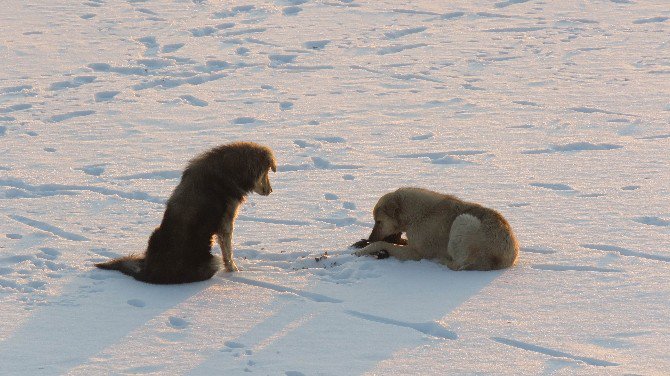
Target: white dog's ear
{"points": [[392, 206]]}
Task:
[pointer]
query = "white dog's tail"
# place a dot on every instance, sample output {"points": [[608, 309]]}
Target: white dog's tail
{"points": [[463, 240], [481, 244]]}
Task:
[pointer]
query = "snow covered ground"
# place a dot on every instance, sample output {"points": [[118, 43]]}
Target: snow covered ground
{"points": [[556, 113]]}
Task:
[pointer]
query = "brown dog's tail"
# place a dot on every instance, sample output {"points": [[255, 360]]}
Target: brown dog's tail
{"points": [[131, 265], [136, 267]]}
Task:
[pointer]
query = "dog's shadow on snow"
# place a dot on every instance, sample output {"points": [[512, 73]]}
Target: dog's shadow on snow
{"points": [[95, 310], [375, 308], [381, 306]]}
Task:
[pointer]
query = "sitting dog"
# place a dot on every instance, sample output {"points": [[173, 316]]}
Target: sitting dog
{"points": [[204, 204], [459, 234]]}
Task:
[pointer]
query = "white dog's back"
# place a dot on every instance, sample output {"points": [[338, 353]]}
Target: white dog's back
{"points": [[463, 238], [480, 238], [481, 244]]}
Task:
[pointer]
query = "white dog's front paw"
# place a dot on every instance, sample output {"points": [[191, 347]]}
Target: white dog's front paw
{"points": [[361, 252], [378, 254], [370, 249]]}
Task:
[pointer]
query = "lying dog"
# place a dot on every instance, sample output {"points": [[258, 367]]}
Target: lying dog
{"points": [[459, 234], [204, 204]]}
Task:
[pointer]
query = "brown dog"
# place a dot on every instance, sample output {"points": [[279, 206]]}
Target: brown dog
{"points": [[204, 204], [459, 234]]}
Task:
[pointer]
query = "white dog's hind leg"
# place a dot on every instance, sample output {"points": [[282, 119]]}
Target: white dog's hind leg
{"points": [[401, 252], [463, 240], [225, 239]]}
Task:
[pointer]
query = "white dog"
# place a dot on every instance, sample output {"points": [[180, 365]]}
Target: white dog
{"points": [[459, 234]]}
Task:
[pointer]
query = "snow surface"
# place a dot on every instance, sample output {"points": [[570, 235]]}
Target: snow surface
{"points": [[556, 113]]}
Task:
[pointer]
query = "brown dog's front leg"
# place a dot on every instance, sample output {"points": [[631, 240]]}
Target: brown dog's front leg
{"points": [[225, 239]]}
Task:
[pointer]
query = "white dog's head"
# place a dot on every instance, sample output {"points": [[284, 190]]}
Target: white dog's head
{"points": [[386, 214]]}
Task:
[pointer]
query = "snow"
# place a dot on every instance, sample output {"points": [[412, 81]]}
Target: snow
{"points": [[557, 114]]}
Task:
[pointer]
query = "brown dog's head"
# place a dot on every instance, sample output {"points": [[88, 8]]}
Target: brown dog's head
{"points": [[266, 162], [262, 185], [245, 165], [386, 214]]}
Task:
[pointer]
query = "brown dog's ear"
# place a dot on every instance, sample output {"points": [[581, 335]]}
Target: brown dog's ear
{"points": [[270, 158]]}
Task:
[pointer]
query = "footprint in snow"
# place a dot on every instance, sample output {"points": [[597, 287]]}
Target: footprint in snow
{"points": [[244, 120], [651, 20], [316, 44], [553, 187], [73, 83], [404, 32], [49, 253], [139, 304], [574, 268], [349, 205], [518, 204], [422, 137], [203, 31], [193, 101], [16, 107], [172, 47], [291, 11], [653, 221], [591, 195], [232, 345], [277, 60], [150, 44], [331, 140], [304, 144], [543, 251], [234, 11], [574, 147], [177, 322], [69, 115], [105, 96], [94, 170]]}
